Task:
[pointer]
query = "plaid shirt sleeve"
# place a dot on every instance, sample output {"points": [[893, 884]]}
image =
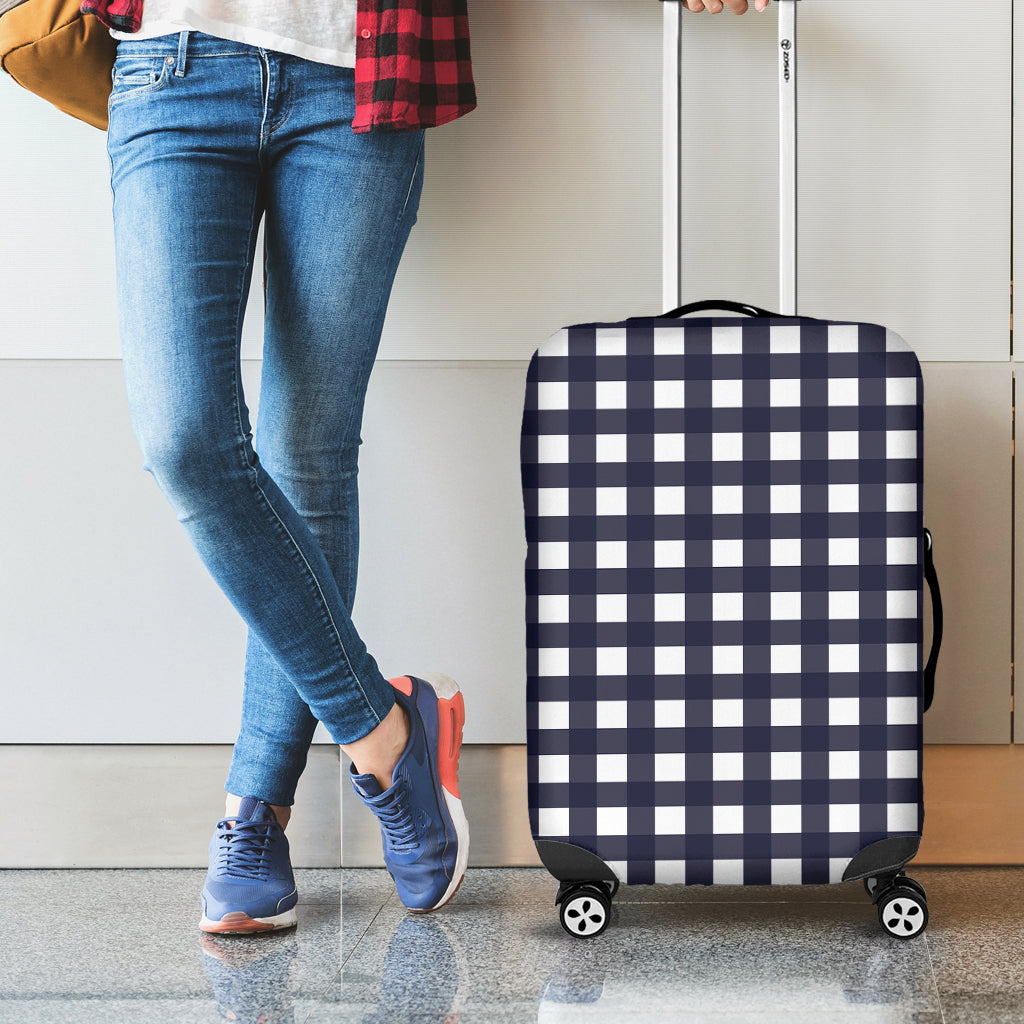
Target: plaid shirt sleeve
{"points": [[122, 15], [413, 67]]}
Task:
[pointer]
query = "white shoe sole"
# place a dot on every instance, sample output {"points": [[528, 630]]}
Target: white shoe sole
{"points": [[240, 923], [446, 688]]}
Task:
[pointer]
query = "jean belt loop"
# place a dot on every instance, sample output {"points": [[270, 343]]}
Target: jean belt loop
{"points": [[182, 48]]}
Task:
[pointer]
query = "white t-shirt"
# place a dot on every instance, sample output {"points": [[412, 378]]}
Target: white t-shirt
{"points": [[320, 30]]}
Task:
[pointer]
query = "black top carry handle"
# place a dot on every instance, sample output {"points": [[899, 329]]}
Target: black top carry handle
{"points": [[933, 586], [693, 307], [736, 307]]}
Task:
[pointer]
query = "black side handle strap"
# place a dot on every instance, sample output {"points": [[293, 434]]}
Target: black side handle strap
{"points": [[933, 587]]}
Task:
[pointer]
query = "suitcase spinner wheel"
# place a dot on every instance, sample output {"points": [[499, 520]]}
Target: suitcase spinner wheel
{"points": [[585, 909], [903, 908]]}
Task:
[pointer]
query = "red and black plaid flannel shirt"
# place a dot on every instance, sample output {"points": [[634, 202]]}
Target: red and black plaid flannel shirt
{"points": [[413, 68]]}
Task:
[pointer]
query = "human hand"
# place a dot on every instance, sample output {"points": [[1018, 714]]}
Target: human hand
{"points": [[715, 6]]}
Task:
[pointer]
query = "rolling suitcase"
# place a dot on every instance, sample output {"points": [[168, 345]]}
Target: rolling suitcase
{"points": [[724, 597]]}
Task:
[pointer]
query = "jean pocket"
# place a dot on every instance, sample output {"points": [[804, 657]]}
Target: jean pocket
{"points": [[134, 75]]}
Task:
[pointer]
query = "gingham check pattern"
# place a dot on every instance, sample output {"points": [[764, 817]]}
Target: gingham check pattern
{"points": [[724, 595]]}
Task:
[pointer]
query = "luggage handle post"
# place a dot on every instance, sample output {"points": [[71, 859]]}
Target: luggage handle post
{"points": [[671, 140]]}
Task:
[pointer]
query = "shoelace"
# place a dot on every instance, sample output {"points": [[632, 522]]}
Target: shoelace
{"points": [[397, 821], [244, 849]]}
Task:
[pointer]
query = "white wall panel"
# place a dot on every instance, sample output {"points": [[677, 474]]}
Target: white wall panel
{"points": [[56, 266], [441, 583], [968, 508], [111, 629], [1017, 716], [1017, 228], [903, 212], [540, 208]]}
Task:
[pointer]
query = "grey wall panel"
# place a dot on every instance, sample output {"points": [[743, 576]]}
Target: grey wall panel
{"points": [[540, 208], [967, 506], [56, 282], [903, 111], [1017, 716], [114, 632], [111, 629], [1017, 229], [492, 785], [442, 539], [154, 806]]}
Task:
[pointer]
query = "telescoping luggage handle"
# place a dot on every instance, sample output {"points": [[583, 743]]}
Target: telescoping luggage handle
{"points": [[671, 139]]}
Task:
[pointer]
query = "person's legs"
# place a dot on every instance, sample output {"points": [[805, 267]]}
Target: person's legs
{"points": [[203, 135], [339, 210], [189, 166]]}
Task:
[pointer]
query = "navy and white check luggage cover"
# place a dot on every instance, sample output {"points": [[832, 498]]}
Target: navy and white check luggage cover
{"points": [[724, 596]]}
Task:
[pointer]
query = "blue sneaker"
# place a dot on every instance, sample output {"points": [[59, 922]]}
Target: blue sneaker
{"points": [[424, 828], [249, 886]]}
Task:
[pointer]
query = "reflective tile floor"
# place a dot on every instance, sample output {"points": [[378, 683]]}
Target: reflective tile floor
{"points": [[123, 946]]}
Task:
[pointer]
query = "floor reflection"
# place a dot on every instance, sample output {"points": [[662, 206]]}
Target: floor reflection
{"points": [[498, 955], [251, 976]]}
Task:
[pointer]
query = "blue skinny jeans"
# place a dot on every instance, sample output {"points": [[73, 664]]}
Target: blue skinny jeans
{"points": [[207, 136]]}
